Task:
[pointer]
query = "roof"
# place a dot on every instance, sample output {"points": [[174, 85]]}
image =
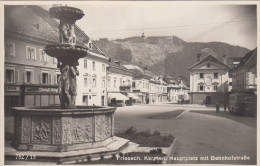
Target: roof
{"points": [[249, 60], [209, 58], [35, 21], [115, 66], [139, 72]]}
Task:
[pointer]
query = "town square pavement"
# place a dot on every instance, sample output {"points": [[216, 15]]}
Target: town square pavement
{"points": [[200, 132]]}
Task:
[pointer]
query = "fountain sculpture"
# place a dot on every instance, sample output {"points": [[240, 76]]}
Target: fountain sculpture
{"points": [[83, 130]]}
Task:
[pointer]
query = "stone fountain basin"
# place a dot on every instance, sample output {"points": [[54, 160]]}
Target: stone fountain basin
{"points": [[66, 51], [61, 12], [60, 130]]}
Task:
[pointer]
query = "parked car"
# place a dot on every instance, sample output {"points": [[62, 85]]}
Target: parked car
{"points": [[242, 103]]}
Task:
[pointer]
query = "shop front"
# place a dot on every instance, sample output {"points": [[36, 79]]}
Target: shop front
{"points": [[39, 95], [12, 97], [117, 99]]}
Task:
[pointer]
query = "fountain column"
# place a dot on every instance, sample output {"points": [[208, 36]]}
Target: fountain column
{"points": [[67, 53]]}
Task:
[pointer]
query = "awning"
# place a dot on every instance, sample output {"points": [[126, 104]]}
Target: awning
{"points": [[117, 96], [132, 95]]}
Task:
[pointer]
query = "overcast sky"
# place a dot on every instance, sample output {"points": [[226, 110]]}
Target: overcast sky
{"points": [[233, 24]]}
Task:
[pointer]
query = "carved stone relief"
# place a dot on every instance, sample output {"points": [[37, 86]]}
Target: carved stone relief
{"points": [[56, 131], [82, 129], [107, 126], [26, 129], [66, 130], [98, 127], [41, 130]]}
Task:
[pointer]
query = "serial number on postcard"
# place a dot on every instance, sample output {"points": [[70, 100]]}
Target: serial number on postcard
{"points": [[25, 157]]}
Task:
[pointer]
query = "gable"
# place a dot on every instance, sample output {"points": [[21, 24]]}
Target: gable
{"points": [[209, 66], [209, 59]]}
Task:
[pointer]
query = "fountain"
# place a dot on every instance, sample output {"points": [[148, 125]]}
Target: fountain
{"points": [[66, 131]]}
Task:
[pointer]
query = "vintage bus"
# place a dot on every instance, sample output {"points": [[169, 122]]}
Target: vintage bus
{"points": [[243, 103]]}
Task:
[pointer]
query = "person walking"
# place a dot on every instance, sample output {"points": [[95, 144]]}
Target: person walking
{"points": [[217, 107]]}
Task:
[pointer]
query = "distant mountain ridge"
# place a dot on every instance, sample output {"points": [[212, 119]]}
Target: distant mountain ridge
{"points": [[166, 55]]}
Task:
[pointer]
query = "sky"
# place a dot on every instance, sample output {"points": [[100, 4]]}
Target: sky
{"points": [[192, 22]]}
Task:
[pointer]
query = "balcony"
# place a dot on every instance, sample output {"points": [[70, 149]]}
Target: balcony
{"points": [[125, 88]]}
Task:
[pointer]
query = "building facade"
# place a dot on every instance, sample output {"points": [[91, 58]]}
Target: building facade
{"points": [[31, 76], [244, 74], [119, 86], [140, 84], [208, 81], [92, 81]]}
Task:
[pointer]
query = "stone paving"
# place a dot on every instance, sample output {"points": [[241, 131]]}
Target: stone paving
{"points": [[200, 131]]}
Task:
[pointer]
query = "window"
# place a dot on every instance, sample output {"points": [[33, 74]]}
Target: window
{"points": [[85, 82], [129, 82], [31, 53], [46, 78], [120, 81], [108, 82], [133, 84], [28, 76], [9, 49], [94, 65], [215, 75], [94, 83], [90, 45], [201, 88], [85, 63], [201, 75], [57, 78], [230, 83], [11, 75], [43, 56], [103, 68], [143, 84], [114, 83], [215, 87]]}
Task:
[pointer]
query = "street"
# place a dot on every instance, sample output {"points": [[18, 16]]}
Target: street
{"points": [[200, 131]]}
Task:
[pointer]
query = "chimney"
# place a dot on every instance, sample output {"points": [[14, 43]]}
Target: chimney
{"points": [[198, 57], [235, 62], [117, 62], [225, 59]]}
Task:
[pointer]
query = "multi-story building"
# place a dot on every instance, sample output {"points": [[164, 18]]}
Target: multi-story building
{"points": [[161, 90], [119, 86], [177, 89], [153, 98], [208, 80], [244, 74], [92, 80], [140, 84], [30, 74]]}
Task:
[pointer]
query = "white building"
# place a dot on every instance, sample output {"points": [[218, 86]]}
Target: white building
{"points": [[208, 80], [92, 78], [119, 84]]}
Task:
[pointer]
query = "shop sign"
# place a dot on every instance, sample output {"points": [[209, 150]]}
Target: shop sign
{"points": [[10, 88], [41, 90]]}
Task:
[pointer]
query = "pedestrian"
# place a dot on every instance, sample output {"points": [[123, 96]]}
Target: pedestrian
{"points": [[217, 107]]}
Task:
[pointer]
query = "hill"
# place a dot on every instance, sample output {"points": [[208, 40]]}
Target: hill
{"points": [[166, 55]]}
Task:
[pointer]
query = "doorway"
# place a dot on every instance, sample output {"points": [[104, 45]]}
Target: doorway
{"points": [[103, 100], [85, 100], [208, 100]]}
